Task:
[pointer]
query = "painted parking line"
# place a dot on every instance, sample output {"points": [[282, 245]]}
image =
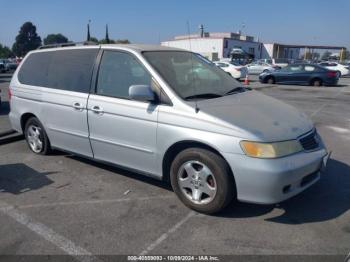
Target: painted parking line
{"points": [[164, 236], [92, 202], [327, 104], [40, 229]]}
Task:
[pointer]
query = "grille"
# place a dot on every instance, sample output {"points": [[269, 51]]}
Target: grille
{"points": [[310, 141]]}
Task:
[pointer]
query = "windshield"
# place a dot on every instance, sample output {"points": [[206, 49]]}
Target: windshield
{"points": [[191, 75]]}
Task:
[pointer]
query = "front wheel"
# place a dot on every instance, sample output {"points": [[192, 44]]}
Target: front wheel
{"points": [[202, 180], [36, 137]]}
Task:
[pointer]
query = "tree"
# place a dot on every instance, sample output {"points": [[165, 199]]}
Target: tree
{"points": [[26, 40], [307, 56], [5, 52], [122, 41], [105, 41], [316, 56], [326, 55], [55, 39], [93, 39]]}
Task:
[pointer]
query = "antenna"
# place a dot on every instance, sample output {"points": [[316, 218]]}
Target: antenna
{"points": [[193, 79]]}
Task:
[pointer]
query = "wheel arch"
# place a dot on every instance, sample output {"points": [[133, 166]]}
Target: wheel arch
{"points": [[178, 147], [25, 117]]}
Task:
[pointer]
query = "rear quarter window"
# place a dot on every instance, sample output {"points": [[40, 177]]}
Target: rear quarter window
{"points": [[35, 69], [69, 70]]}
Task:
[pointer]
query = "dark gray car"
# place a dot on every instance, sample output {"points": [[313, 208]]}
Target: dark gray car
{"points": [[302, 74]]}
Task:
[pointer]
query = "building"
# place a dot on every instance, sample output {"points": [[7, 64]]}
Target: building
{"points": [[216, 46]]}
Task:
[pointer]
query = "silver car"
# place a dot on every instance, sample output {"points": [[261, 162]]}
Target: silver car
{"points": [[170, 114]]}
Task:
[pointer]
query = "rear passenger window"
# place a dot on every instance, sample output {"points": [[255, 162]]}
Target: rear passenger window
{"points": [[309, 68], [118, 71], [64, 69], [35, 69], [72, 69]]}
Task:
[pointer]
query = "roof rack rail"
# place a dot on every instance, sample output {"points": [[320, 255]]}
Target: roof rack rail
{"points": [[67, 44]]}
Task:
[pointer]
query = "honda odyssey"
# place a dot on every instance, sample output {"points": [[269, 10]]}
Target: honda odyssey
{"points": [[170, 114]]}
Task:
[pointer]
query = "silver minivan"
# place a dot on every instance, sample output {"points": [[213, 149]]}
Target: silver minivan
{"points": [[170, 114]]}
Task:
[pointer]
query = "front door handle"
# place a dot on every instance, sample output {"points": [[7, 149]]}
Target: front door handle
{"points": [[78, 106], [97, 109]]}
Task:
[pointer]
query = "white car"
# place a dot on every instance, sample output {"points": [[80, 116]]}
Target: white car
{"points": [[235, 70], [278, 62], [256, 68], [341, 69]]}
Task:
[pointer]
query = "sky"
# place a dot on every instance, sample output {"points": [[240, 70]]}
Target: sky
{"points": [[320, 22]]}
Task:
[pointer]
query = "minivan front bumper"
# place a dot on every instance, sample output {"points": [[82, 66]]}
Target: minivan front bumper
{"points": [[270, 181]]}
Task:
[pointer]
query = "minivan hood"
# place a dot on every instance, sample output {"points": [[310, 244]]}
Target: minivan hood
{"points": [[263, 117]]}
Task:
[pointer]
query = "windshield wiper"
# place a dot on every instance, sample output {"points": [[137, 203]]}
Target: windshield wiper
{"points": [[205, 95], [236, 90]]}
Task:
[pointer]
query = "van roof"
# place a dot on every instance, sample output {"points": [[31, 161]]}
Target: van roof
{"points": [[132, 47]]}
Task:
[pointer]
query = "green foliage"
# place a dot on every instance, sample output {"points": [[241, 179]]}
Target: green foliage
{"points": [[122, 41], [105, 41], [5, 52], [55, 39], [326, 55], [26, 40], [93, 39]]}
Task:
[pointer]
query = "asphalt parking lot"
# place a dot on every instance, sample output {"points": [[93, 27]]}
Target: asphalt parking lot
{"points": [[62, 204]]}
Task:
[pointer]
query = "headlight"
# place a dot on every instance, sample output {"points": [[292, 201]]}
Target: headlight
{"points": [[271, 150]]}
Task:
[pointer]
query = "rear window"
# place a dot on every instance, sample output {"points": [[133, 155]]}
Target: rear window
{"points": [[65, 69]]}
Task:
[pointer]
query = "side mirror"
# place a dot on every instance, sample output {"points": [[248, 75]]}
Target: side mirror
{"points": [[141, 93]]}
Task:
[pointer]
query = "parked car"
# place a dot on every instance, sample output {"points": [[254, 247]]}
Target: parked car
{"points": [[235, 70], [140, 107], [280, 62], [303, 74], [11, 65], [342, 70], [2, 66], [259, 67]]}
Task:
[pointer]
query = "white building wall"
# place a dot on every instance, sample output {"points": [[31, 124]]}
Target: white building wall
{"points": [[208, 47]]}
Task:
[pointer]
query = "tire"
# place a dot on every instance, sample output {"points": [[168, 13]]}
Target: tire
{"points": [[195, 171], [36, 137], [271, 80], [316, 82]]}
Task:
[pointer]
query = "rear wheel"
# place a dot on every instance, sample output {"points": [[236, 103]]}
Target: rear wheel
{"points": [[316, 82], [202, 180], [36, 137]]}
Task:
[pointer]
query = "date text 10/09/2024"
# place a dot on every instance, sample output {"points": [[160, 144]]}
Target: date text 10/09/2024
{"points": [[173, 258]]}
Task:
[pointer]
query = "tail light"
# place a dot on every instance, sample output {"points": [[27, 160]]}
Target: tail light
{"points": [[331, 74], [238, 69]]}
